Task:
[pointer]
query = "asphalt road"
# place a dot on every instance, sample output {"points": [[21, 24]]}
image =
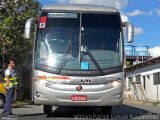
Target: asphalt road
{"points": [[126, 111]]}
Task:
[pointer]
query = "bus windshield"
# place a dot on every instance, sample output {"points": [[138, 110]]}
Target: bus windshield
{"points": [[67, 36]]}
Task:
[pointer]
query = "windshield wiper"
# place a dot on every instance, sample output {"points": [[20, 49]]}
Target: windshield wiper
{"points": [[67, 51], [95, 62]]}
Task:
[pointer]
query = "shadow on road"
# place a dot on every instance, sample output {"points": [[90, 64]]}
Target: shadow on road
{"points": [[123, 112], [31, 115]]}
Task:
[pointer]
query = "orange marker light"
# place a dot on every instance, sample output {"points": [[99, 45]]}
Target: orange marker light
{"points": [[42, 77], [53, 77], [61, 77]]}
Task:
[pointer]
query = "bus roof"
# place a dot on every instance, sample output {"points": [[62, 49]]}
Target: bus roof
{"points": [[79, 7]]}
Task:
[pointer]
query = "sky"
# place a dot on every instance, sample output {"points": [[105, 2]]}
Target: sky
{"points": [[144, 14]]}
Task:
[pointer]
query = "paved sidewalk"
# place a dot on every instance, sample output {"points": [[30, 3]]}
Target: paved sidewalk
{"points": [[133, 101]]}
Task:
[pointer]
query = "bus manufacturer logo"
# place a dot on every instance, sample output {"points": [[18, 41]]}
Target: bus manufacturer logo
{"points": [[79, 88], [85, 81]]}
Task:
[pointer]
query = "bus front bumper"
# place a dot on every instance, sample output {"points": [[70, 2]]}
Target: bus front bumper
{"points": [[108, 97]]}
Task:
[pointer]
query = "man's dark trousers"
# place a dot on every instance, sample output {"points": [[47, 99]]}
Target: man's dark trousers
{"points": [[7, 108]]}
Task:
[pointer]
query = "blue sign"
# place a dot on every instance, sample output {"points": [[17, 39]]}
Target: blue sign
{"points": [[84, 65]]}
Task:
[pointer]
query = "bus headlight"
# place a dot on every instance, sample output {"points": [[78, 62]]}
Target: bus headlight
{"points": [[115, 83]]}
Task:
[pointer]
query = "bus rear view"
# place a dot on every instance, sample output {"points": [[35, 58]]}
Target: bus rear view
{"points": [[78, 56]]}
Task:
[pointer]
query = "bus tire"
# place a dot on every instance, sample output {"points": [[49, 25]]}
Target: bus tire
{"points": [[106, 110], [47, 109], [2, 101]]}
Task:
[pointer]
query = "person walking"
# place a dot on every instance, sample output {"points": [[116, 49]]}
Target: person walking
{"points": [[10, 86]]}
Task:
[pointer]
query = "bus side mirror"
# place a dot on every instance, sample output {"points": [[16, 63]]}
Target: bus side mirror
{"points": [[28, 27], [130, 31]]}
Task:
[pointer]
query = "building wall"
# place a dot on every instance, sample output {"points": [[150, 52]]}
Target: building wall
{"points": [[152, 91]]}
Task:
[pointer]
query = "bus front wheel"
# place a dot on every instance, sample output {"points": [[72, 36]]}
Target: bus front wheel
{"points": [[48, 109]]}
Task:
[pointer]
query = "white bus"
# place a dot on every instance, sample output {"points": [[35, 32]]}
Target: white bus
{"points": [[78, 56]]}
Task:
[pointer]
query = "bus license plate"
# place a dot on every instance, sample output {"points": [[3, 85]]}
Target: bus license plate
{"points": [[79, 98]]}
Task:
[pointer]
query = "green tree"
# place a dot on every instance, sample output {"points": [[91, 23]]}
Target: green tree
{"points": [[13, 15]]}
